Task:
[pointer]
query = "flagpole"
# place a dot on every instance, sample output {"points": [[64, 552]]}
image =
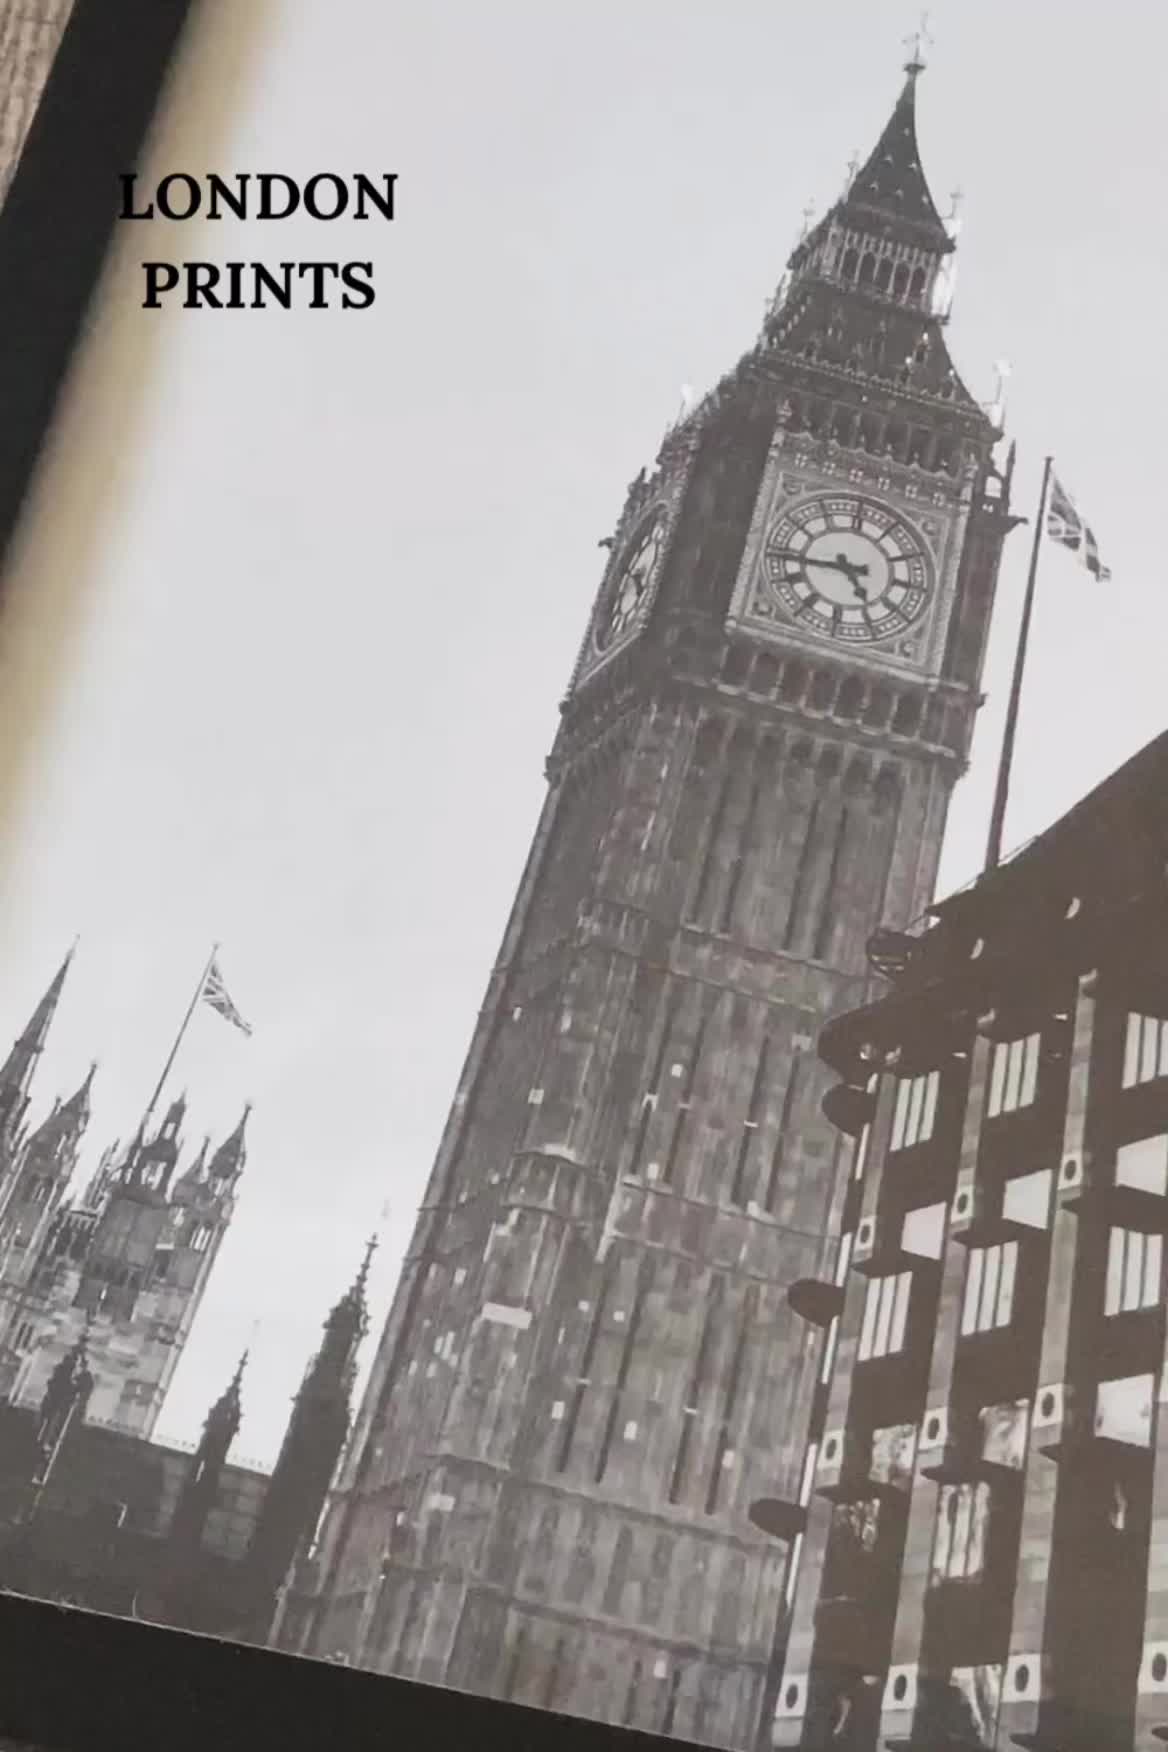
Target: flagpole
{"points": [[178, 1040], [1009, 734]]}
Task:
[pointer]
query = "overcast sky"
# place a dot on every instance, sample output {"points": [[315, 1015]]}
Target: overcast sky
{"points": [[306, 667]]}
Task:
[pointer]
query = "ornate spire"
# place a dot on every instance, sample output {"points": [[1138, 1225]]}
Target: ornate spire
{"points": [[225, 1414], [891, 186], [228, 1161], [313, 1441], [78, 1102], [59, 1134], [16, 1072], [200, 1488]]}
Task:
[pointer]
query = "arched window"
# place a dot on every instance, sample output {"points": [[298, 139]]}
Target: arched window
{"points": [[851, 263], [900, 281], [916, 286], [794, 681], [851, 697], [867, 269], [883, 274]]}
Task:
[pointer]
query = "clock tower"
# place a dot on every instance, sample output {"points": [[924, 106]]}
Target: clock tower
{"points": [[590, 1371]]}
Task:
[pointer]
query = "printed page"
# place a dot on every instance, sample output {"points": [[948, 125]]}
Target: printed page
{"points": [[580, 684]]}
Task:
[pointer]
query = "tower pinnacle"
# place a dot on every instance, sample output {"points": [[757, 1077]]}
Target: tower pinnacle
{"points": [[16, 1073], [916, 45], [890, 186]]}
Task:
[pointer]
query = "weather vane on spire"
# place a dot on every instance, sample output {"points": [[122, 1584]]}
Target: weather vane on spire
{"points": [[916, 44]]}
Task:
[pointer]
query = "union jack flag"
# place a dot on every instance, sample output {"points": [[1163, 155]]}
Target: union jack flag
{"points": [[1064, 525], [215, 993]]}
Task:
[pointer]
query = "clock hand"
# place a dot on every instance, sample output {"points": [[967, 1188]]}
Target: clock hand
{"points": [[810, 560], [853, 572]]}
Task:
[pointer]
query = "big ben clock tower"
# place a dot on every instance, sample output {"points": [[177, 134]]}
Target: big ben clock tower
{"points": [[590, 1370]]}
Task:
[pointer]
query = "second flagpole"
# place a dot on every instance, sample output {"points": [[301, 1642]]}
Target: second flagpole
{"points": [[178, 1040], [1009, 734]]}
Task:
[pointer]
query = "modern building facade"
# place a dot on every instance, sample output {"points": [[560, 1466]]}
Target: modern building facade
{"points": [[981, 1526], [590, 1370]]}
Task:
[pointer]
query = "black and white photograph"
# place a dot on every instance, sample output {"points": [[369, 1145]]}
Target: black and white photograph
{"points": [[584, 880]]}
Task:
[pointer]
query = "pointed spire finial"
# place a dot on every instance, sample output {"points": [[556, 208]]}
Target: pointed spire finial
{"points": [[1002, 375], [808, 216], [371, 1247], [916, 44]]}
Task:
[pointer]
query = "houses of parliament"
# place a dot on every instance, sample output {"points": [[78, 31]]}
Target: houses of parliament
{"points": [[100, 1283]]}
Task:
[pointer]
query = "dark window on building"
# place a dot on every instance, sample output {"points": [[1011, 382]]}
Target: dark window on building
{"points": [[959, 1548]]}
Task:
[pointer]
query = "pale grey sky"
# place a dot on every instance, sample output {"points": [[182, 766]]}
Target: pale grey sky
{"points": [[346, 559]]}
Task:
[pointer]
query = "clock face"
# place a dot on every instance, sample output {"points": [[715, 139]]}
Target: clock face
{"points": [[848, 568], [630, 587]]}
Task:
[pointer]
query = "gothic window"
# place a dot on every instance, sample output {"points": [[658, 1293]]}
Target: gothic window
{"points": [[883, 274], [699, 1381], [900, 281], [918, 446], [867, 268], [959, 1549], [916, 285], [1013, 1075], [989, 1288], [685, 1101], [38, 1191], [851, 264], [895, 438], [885, 1315], [201, 1238], [618, 1575], [755, 1113], [790, 1095], [652, 1094], [724, 1453], [1134, 1268], [851, 697], [23, 1336], [1145, 1054], [793, 683], [915, 1111]]}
